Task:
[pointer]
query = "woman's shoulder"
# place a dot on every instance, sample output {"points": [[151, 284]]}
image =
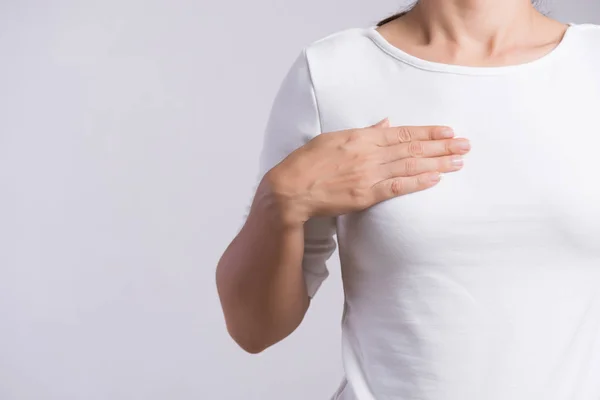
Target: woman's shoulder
{"points": [[339, 39], [342, 51], [341, 44]]}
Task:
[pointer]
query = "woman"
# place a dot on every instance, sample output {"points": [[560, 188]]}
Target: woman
{"points": [[484, 285]]}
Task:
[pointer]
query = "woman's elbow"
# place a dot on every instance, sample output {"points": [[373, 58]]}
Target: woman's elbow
{"points": [[252, 344]]}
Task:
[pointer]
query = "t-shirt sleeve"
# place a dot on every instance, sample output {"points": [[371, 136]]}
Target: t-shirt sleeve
{"points": [[293, 121]]}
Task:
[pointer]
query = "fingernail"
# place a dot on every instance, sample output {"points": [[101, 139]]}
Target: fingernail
{"points": [[436, 176], [464, 144], [457, 161], [447, 133], [383, 122]]}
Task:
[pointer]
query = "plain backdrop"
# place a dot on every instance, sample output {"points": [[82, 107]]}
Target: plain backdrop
{"points": [[129, 137]]}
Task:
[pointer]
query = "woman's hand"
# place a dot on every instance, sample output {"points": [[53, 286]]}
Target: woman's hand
{"points": [[345, 171]]}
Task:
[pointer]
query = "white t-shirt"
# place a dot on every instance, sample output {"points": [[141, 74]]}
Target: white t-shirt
{"points": [[486, 286]]}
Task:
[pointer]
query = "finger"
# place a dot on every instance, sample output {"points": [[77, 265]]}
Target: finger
{"points": [[384, 123], [395, 135], [416, 166], [395, 187], [425, 149]]}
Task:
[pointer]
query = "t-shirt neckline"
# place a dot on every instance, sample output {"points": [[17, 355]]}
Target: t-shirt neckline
{"points": [[421, 63]]}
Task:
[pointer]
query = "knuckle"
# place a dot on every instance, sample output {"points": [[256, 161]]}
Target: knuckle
{"points": [[354, 135], [359, 195], [404, 134], [358, 160], [347, 149], [448, 146], [396, 187], [356, 193], [415, 149]]}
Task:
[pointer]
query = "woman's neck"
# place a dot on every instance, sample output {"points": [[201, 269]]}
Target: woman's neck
{"points": [[482, 22], [475, 32]]}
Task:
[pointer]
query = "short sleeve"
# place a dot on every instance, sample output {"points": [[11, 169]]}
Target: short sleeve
{"points": [[293, 121]]}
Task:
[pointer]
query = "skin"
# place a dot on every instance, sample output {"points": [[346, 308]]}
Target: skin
{"points": [[478, 33], [259, 276]]}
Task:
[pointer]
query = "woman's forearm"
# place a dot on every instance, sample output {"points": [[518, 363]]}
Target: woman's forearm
{"points": [[259, 277]]}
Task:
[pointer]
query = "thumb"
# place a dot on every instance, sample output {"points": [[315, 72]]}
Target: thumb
{"points": [[384, 123]]}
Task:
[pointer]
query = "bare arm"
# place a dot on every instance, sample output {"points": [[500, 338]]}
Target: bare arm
{"points": [[259, 277]]}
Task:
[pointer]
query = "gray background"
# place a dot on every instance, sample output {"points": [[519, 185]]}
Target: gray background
{"points": [[129, 135]]}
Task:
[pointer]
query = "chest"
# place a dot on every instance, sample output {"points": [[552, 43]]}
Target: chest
{"points": [[529, 185]]}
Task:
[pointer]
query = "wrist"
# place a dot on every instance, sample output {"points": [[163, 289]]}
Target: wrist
{"points": [[278, 195]]}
